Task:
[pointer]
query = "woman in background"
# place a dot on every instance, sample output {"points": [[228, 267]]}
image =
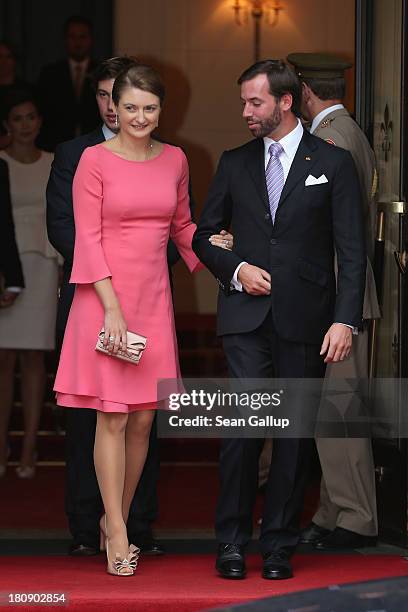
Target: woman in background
{"points": [[27, 329]]}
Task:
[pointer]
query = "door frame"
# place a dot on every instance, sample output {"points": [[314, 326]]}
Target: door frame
{"points": [[391, 456]]}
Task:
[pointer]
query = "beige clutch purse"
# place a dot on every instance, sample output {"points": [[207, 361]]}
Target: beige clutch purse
{"points": [[136, 344]]}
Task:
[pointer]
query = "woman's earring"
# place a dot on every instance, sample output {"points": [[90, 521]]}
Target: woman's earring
{"points": [[116, 121]]}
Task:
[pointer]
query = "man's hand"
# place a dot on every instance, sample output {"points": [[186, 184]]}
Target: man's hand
{"points": [[337, 343], [224, 240], [254, 280], [7, 298]]}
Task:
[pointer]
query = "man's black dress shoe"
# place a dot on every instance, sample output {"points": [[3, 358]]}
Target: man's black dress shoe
{"points": [[343, 538], [231, 561], [151, 547], [276, 566], [313, 533], [77, 549]]}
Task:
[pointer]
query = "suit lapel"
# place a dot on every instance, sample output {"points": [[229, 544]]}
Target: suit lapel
{"points": [[302, 164], [256, 167]]}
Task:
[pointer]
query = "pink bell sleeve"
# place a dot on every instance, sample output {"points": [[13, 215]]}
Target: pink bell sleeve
{"points": [[182, 228], [89, 263]]}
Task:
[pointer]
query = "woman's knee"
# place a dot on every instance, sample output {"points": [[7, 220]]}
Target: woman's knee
{"points": [[140, 424], [114, 423]]}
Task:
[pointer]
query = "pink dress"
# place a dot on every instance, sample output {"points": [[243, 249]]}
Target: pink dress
{"points": [[125, 212]]}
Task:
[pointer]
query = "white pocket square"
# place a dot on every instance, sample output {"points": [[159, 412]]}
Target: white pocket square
{"points": [[312, 180]]}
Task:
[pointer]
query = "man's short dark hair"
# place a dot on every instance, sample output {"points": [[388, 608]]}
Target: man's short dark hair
{"points": [[282, 80], [77, 19], [111, 68], [327, 89]]}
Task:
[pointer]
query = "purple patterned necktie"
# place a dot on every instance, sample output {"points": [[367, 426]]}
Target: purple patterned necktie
{"points": [[275, 178]]}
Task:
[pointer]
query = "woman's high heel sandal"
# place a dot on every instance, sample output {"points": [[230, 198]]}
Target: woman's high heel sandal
{"points": [[120, 566], [126, 566]]}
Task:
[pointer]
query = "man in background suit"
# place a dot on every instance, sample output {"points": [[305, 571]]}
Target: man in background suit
{"points": [[83, 503], [347, 513], [12, 281], [65, 91], [288, 197]]}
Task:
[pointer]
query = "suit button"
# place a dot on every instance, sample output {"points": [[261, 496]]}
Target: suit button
{"points": [[267, 216], [274, 241]]}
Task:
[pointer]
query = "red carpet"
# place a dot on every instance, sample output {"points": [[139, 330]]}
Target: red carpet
{"points": [[179, 583]]}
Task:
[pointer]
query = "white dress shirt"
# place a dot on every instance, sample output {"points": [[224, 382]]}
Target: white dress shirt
{"points": [[107, 132], [319, 118], [290, 144]]}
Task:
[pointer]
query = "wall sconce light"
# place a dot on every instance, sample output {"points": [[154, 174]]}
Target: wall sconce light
{"points": [[259, 9]]}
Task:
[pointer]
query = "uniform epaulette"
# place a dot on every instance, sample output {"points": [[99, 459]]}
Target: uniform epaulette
{"points": [[325, 123]]}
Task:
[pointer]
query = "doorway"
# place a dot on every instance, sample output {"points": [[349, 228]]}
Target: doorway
{"points": [[382, 81]]}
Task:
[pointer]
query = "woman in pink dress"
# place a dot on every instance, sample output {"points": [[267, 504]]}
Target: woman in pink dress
{"points": [[130, 195]]}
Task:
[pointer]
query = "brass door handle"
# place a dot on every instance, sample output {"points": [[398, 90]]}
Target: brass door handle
{"points": [[393, 207]]}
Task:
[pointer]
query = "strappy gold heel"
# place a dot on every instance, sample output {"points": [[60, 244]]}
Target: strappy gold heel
{"points": [[120, 566]]}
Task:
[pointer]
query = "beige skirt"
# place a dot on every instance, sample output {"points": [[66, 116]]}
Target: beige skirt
{"points": [[30, 322]]}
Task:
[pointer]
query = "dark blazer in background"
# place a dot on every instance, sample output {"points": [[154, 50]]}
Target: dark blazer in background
{"points": [[297, 250], [60, 213], [10, 265], [62, 111]]}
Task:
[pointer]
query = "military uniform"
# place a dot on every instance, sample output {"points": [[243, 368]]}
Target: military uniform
{"points": [[347, 494]]}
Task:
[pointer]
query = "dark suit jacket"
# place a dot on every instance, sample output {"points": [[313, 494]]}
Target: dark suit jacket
{"points": [[61, 110], [10, 266], [297, 250], [60, 213]]}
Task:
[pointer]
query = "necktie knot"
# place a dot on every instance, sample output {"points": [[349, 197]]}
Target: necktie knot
{"points": [[275, 149]]}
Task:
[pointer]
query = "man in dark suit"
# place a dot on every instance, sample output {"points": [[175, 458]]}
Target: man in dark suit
{"points": [[288, 198], [82, 501], [10, 265], [65, 92]]}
